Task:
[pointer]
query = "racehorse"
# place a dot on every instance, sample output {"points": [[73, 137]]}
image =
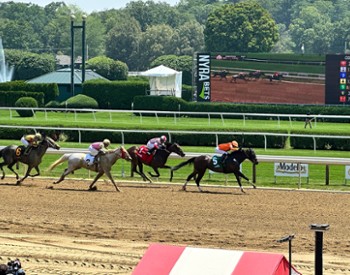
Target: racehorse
{"points": [[104, 164], [256, 74], [241, 75], [12, 154], [139, 157], [222, 74], [275, 76], [232, 165]]}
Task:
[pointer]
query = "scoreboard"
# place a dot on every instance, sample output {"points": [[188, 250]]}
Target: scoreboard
{"points": [[338, 79]]}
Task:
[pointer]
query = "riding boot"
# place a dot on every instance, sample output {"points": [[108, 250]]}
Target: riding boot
{"points": [[223, 160], [150, 151], [27, 150]]}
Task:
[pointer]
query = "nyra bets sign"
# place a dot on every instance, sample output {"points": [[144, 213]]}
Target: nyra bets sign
{"points": [[203, 77]]}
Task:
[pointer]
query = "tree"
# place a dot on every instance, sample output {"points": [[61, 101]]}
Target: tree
{"points": [[29, 65], [108, 68], [313, 29], [156, 41], [191, 38], [243, 27], [123, 40]]}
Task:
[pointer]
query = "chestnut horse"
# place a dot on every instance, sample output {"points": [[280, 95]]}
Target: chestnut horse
{"points": [[232, 165]]}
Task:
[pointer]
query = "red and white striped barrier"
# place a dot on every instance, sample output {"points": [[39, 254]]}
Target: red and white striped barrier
{"points": [[179, 260]]}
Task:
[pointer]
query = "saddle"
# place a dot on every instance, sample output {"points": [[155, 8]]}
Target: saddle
{"points": [[142, 154]]}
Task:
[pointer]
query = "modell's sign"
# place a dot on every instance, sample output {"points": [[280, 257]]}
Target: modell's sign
{"points": [[291, 169], [203, 77]]}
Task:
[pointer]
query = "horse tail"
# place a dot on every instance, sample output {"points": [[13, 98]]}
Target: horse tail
{"points": [[59, 161], [182, 164]]}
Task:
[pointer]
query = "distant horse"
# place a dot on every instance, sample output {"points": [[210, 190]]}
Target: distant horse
{"points": [[256, 74], [104, 164], [275, 76], [139, 157], [13, 154], [221, 74], [241, 75], [232, 165]]}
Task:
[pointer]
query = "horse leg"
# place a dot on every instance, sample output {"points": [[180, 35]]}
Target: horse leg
{"points": [[66, 172], [108, 173], [247, 179], [37, 172], [157, 173], [192, 175], [198, 179], [3, 172], [13, 171], [25, 176], [142, 174], [95, 179], [237, 174]]}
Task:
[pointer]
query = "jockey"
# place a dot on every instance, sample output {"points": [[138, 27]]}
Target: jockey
{"points": [[226, 148], [29, 141], [155, 143], [99, 148]]}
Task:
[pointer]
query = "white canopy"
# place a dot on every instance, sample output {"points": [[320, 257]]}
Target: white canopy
{"points": [[164, 81]]}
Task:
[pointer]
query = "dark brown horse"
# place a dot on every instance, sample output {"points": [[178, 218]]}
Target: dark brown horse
{"points": [[231, 165], [241, 75], [275, 76], [13, 154], [256, 74], [221, 74], [158, 161]]}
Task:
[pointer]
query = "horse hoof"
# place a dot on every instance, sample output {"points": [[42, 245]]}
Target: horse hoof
{"points": [[18, 182], [93, 188], [49, 187]]}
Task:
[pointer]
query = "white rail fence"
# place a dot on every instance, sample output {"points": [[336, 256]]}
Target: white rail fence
{"points": [[177, 115], [172, 132], [326, 161]]}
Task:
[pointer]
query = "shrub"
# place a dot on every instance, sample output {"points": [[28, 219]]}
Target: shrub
{"points": [[80, 101], [26, 102], [53, 104]]}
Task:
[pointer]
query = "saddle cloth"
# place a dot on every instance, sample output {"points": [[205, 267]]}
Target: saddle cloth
{"points": [[142, 154], [89, 159]]}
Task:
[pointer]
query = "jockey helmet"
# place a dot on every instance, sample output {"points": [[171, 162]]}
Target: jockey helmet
{"points": [[235, 144], [38, 135], [106, 142], [163, 139]]}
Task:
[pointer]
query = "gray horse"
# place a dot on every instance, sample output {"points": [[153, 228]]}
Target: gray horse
{"points": [[12, 154], [104, 166]]}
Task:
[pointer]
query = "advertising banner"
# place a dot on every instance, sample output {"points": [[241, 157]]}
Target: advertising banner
{"points": [[285, 169], [203, 77]]}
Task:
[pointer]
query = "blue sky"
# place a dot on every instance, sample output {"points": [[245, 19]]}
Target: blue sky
{"points": [[89, 6]]}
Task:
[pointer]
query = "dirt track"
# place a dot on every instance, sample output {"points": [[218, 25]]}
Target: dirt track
{"points": [[68, 230], [264, 91]]}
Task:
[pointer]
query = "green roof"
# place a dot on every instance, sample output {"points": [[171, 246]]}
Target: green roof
{"points": [[63, 76]]}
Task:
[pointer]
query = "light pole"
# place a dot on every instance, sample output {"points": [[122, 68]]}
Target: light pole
{"points": [[319, 229], [289, 240], [83, 38]]}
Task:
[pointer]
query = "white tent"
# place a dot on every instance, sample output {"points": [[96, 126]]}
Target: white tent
{"points": [[164, 81]]}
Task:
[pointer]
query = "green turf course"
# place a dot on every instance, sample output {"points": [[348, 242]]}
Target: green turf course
{"points": [[265, 176]]}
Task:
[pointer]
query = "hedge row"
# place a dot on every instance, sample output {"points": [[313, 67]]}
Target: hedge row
{"points": [[115, 94], [8, 98], [167, 103], [50, 90]]}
